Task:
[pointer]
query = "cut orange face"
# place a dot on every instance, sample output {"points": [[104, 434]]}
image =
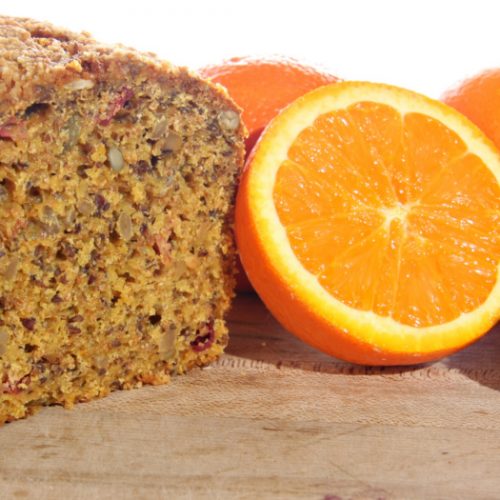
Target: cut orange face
{"points": [[368, 220]]}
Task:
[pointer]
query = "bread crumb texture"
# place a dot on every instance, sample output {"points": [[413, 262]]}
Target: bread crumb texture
{"points": [[117, 185]]}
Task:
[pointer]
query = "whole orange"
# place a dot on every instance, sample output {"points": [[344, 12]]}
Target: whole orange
{"points": [[262, 87], [478, 98]]}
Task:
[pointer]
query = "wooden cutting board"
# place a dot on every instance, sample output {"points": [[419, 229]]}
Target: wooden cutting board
{"points": [[273, 419]]}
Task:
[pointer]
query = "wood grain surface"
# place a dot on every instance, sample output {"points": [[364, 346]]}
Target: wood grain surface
{"points": [[273, 419]]}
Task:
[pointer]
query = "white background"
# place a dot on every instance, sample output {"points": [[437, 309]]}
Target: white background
{"points": [[423, 45]]}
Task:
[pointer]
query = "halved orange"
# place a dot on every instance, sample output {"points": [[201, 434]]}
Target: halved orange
{"points": [[368, 221]]}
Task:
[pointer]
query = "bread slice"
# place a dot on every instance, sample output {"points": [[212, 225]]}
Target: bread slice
{"points": [[117, 185]]}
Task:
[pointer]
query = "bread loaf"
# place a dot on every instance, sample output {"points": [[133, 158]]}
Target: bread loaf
{"points": [[117, 185]]}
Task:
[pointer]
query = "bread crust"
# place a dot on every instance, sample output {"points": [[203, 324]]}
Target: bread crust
{"points": [[37, 59]]}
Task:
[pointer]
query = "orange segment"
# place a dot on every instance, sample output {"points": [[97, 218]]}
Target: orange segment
{"points": [[375, 213], [429, 146]]}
